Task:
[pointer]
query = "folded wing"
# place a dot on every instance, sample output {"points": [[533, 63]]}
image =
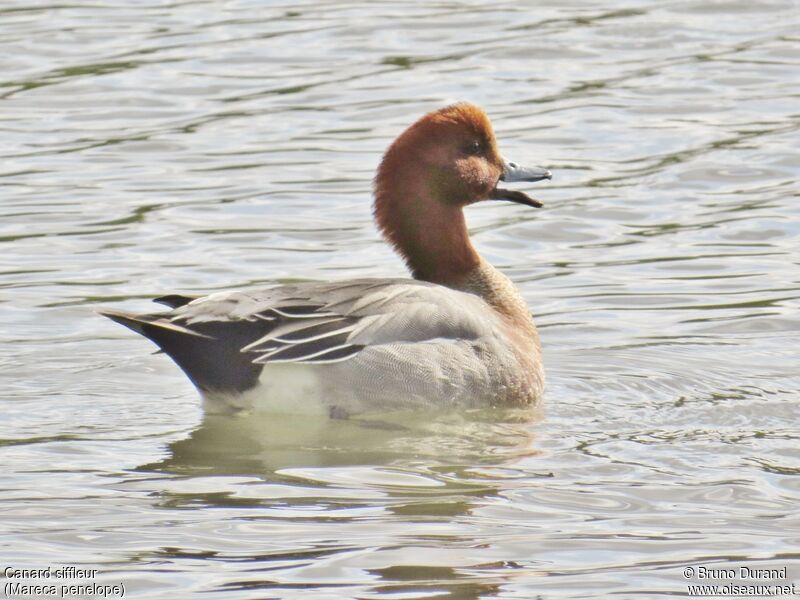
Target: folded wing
{"points": [[223, 341]]}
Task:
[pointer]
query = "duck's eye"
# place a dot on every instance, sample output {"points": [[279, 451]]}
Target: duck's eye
{"points": [[474, 147]]}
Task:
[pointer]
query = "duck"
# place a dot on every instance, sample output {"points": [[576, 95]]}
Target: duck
{"points": [[457, 335]]}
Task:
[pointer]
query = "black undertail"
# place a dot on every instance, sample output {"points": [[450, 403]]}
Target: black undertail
{"points": [[210, 357]]}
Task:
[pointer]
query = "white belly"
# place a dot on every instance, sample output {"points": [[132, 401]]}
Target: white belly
{"points": [[282, 389]]}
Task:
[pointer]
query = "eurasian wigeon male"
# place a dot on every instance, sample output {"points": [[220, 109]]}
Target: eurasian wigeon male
{"points": [[457, 335]]}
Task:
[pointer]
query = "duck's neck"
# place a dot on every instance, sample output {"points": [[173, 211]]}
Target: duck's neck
{"points": [[428, 232], [434, 242], [432, 238]]}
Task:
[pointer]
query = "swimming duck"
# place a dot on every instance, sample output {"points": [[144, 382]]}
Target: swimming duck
{"points": [[457, 335]]}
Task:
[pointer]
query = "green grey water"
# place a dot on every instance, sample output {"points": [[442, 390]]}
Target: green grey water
{"points": [[153, 147]]}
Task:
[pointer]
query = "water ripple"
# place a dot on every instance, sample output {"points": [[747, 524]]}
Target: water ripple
{"points": [[154, 147]]}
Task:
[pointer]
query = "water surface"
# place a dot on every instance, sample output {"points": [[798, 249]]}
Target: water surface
{"points": [[154, 147]]}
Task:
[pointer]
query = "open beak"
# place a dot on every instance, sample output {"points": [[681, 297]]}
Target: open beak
{"points": [[514, 172]]}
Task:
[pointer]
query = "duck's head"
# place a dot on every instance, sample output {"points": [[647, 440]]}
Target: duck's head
{"points": [[446, 160], [453, 152]]}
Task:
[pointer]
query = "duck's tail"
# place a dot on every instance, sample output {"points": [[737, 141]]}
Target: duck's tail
{"points": [[212, 363]]}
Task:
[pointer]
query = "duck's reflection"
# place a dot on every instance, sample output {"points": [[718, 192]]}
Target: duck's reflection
{"points": [[269, 445], [336, 489]]}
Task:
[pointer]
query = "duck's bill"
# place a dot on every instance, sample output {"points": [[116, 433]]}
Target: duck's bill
{"points": [[516, 196], [513, 172]]}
